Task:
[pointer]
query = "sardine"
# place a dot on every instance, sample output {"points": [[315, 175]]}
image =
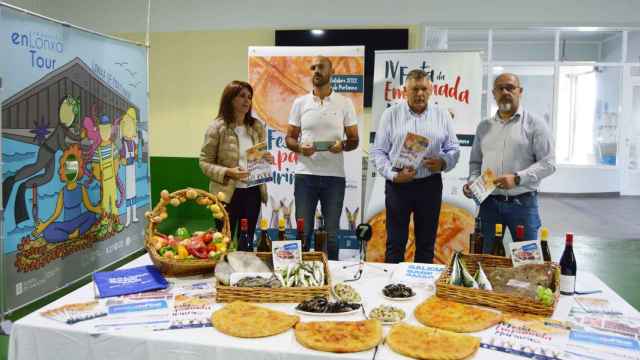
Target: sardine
{"points": [[482, 280], [456, 275], [467, 279]]}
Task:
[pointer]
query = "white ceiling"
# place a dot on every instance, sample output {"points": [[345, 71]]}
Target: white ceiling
{"points": [[172, 15]]}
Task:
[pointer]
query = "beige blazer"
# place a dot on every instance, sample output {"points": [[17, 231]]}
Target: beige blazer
{"points": [[221, 151]]}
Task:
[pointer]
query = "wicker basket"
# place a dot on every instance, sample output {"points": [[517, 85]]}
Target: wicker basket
{"points": [[277, 295], [184, 267], [498, 300]]}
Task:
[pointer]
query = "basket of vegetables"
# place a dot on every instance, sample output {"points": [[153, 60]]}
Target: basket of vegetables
{"points": [[184, 253]]}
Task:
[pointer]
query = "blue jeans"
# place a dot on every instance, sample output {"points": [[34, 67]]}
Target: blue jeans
{"points": [[522, 210], [329, 190]]}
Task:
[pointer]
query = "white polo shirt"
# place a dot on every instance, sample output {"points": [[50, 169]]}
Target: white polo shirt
{"points": [[322, 120]]}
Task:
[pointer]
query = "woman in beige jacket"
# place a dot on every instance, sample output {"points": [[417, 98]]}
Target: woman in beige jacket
{"points": [[223, 156]]}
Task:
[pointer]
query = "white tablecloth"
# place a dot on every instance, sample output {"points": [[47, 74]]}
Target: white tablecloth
{"points": [[37, 338]]}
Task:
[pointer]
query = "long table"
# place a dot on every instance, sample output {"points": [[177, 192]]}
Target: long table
{"points": [[35, 337]]}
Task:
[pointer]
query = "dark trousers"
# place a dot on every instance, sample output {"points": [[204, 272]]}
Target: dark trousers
{"points": [[422, 197], [245, 204], [510, 212]]}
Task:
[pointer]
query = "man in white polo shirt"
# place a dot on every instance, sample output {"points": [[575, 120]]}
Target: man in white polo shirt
{"points": [[318, 122]]}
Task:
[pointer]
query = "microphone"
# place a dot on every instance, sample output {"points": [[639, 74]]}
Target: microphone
{"points": [[364, 232]]}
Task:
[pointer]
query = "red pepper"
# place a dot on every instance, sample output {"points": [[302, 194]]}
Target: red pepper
{"points": [[201, 253], [207, 237], [198, 249]]}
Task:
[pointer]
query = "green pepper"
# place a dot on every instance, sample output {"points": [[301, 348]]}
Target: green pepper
{"points": [[183, 233], [167, 248]]}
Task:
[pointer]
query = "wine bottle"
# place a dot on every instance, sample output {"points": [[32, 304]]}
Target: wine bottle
{"points": [[519, 233], [320, 237], [300, 236], [476, 239], [281, 230], [264, 244], [544, 245], [472, 243], [498, 245], [245, 242], [568, 267]]}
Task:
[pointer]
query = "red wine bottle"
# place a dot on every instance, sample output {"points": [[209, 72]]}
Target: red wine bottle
{"points": [[568, 268], [519, 233], [300, 236], [246, 242]]}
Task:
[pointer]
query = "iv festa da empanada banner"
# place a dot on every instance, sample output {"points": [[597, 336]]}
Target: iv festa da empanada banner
{"points": [[75, 181], [457, 81], [278, 76]]}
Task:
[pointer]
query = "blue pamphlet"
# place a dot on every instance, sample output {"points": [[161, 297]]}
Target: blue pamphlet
{"points": [[128, 281]]}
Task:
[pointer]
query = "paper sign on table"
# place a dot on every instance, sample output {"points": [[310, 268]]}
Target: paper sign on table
{"points": [[525, 252]]}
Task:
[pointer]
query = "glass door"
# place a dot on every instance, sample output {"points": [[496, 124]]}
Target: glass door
{"points": [[630, 182]]}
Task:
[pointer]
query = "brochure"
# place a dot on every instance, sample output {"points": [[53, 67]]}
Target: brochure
{"points": [[527, 336], [259, 168], [605, 322], [483, 186], [73, 313], [192, 309], [598, 345], [413, 150], [286, 252], [596, 306], [126, 315], [525, 252], [128, 281]]}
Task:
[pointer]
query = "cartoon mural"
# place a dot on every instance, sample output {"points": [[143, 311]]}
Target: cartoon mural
{"points": [[75, 167], [84, 210], [71, 198], [68, 112], [128, 155]]}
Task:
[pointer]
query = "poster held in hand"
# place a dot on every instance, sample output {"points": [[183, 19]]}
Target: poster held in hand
{"points": [[483, 186], [257, 165], [414, 148]]}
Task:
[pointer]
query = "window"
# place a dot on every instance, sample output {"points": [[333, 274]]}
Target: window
{"points": [[571, 78], [633, 47], [523, 45], [588, 45], [587, 115]]}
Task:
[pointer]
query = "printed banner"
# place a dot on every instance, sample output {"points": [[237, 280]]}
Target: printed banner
{"points": [[278, 76], [75, 181], [457, 87]]}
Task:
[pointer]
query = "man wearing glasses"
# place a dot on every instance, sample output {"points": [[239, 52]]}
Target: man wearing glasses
{"points": [[517, 146]]}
